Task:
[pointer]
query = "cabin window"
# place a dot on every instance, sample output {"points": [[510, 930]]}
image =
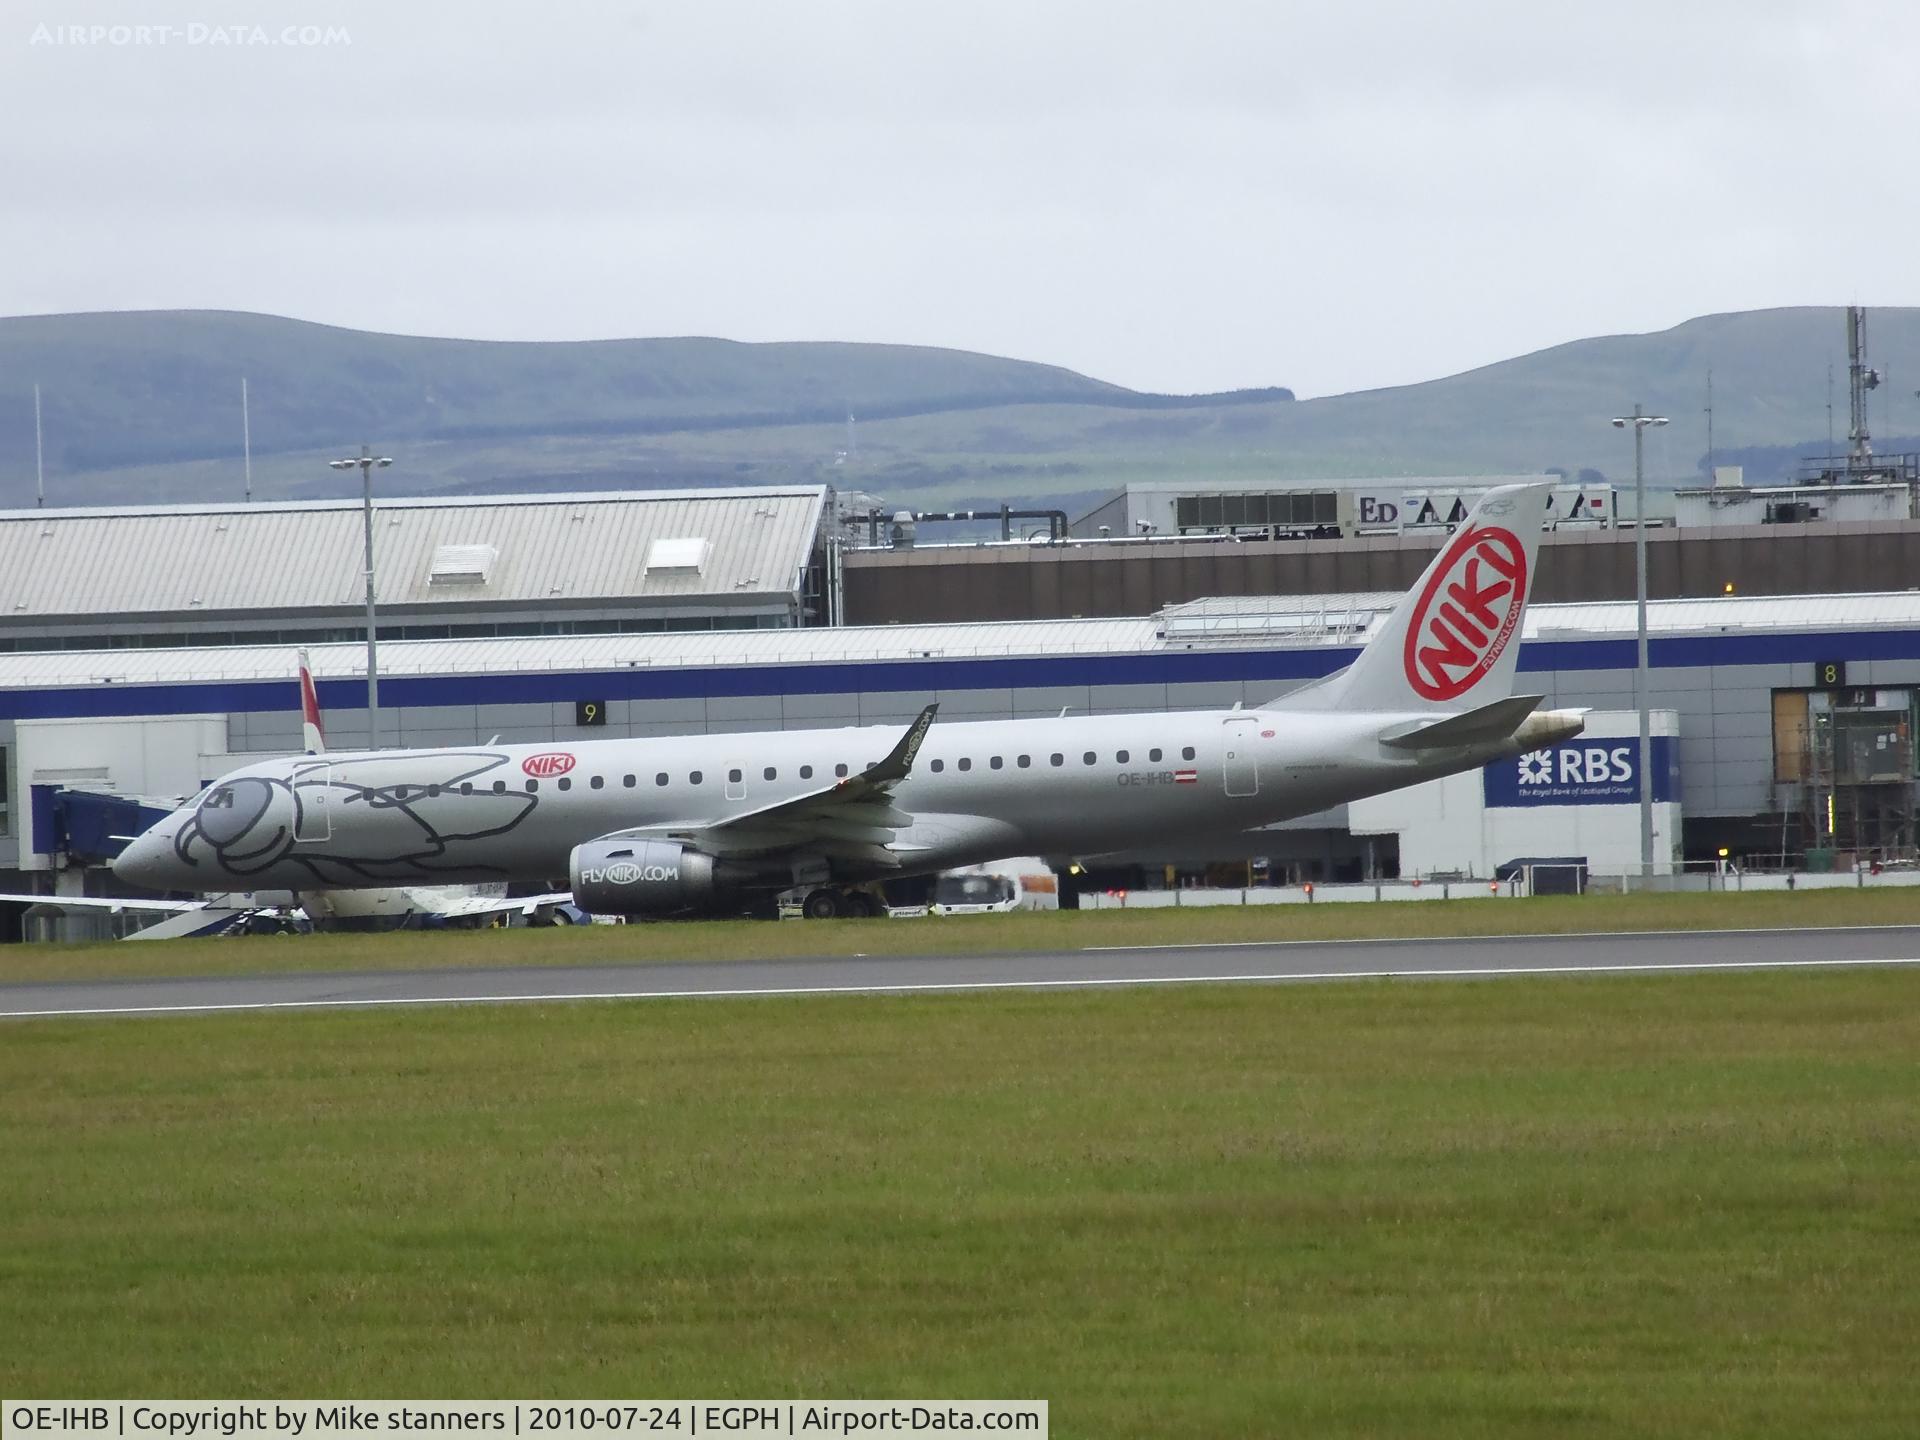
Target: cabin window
{"points": [[1089, 757], [806, 772], [1153, 755], [734, 776], [994, 763], [1023, 761], [1057, 758], [661, 778], [433, 792], [466, 787], [1187, 754], [965, 763], [499, 787], [771, 773], [566, 783], [936, 766], [532, 785], [1120, 756], [599, 782], [841, 770], [694, 778], [399, 792], [629, 781]]}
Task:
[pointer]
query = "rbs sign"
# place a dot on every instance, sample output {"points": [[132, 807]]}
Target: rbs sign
{"points": [[1581, 772]]}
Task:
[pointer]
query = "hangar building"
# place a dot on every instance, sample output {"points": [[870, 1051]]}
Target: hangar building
{"points": [[464, 567]]}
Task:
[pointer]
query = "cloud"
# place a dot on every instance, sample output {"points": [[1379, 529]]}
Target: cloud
{"points": [[1177, 197]]}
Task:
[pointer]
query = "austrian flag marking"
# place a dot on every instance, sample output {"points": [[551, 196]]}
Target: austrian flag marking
{"points": [[1186, 777], [1468, 612]]}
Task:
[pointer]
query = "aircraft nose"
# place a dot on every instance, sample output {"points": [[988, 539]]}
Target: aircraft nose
{"points": [[144, 861]]}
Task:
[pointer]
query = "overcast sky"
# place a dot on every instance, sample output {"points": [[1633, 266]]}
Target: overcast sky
{"points": [[1181, 197]]}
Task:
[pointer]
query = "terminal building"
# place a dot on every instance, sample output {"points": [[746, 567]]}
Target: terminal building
{"points": [[1162, 543], [1789, 733]]}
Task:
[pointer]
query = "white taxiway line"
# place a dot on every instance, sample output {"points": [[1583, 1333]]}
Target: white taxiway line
{"points": [[1467, 939], [1098, 982]]}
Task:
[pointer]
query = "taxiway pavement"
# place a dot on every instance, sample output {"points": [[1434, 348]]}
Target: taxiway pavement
{"points": [[1274, 962]]}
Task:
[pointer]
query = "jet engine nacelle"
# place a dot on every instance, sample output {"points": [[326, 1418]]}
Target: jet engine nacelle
{"points": [[639, 877]]}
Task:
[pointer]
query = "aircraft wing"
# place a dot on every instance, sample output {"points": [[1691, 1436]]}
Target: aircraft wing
{"points": [[852, 819], [108, 904], [499, 904], [183, 917]]}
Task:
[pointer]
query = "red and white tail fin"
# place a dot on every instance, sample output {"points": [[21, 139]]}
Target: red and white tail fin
{"points": [[311, 737], [1452, 643]]}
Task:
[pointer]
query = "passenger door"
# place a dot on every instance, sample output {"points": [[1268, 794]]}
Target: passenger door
{"points": [[1240, 767], [313, 803]]}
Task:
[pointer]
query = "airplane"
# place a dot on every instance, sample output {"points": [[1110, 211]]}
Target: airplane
{"points": [[707, 824], [225, 908], [370, 907]]}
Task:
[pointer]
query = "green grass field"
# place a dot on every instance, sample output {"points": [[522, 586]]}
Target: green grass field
{"points": [[1571, 1207], [751, 940]]}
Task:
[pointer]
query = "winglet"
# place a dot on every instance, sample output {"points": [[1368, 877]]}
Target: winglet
{"points": [[900, 760], [312, 739]]}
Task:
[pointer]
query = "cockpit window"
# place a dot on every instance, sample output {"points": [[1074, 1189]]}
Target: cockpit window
{"points": [[219, 798]]}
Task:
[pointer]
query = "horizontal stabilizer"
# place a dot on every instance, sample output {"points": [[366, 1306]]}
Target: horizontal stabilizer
{"points": [[1489, 722]]}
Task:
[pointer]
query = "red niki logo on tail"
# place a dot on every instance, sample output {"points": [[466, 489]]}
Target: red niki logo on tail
{"points": [[1467, 613]]}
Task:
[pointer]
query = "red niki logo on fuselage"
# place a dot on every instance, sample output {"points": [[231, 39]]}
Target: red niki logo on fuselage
{"points": [[542, 767], [1468, 612]]}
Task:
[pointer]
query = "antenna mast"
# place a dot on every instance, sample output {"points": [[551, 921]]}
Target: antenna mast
{"points": [[246, 437], [1860, 379], [39, 455], [1710, 424]]}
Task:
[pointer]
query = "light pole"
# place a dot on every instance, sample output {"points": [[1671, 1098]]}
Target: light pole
{"points": [[1640, 423], [366, 460]]}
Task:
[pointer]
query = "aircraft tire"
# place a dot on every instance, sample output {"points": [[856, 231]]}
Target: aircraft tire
{"points": [[823, 905]]}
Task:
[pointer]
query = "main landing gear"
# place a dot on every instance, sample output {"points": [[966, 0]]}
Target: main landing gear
{"points": [[826, 904]]}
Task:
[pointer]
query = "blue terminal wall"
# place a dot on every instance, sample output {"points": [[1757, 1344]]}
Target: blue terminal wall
{"points": [[1570, 658]]}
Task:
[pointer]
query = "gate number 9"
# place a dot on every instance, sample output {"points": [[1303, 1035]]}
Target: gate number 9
{"points": [[589, 712]]}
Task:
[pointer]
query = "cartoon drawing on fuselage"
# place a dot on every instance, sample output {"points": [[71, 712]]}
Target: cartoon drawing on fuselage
{"points": [[387, 818], [706, 823]]}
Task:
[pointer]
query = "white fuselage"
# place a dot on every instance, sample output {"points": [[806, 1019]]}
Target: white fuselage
{"points": [[977, 791]]}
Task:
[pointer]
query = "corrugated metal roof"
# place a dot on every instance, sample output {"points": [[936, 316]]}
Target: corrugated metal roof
{"points": [[1227, 485], [209, 559], [559, 653], [699, 648], [1716, 614]]}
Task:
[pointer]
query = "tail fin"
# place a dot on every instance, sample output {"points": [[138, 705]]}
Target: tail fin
{"points": [[312, 739], [1451, 644]]}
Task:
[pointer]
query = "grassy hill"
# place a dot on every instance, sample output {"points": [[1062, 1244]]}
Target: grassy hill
{"points": [[145, 406], [139, 388]]}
